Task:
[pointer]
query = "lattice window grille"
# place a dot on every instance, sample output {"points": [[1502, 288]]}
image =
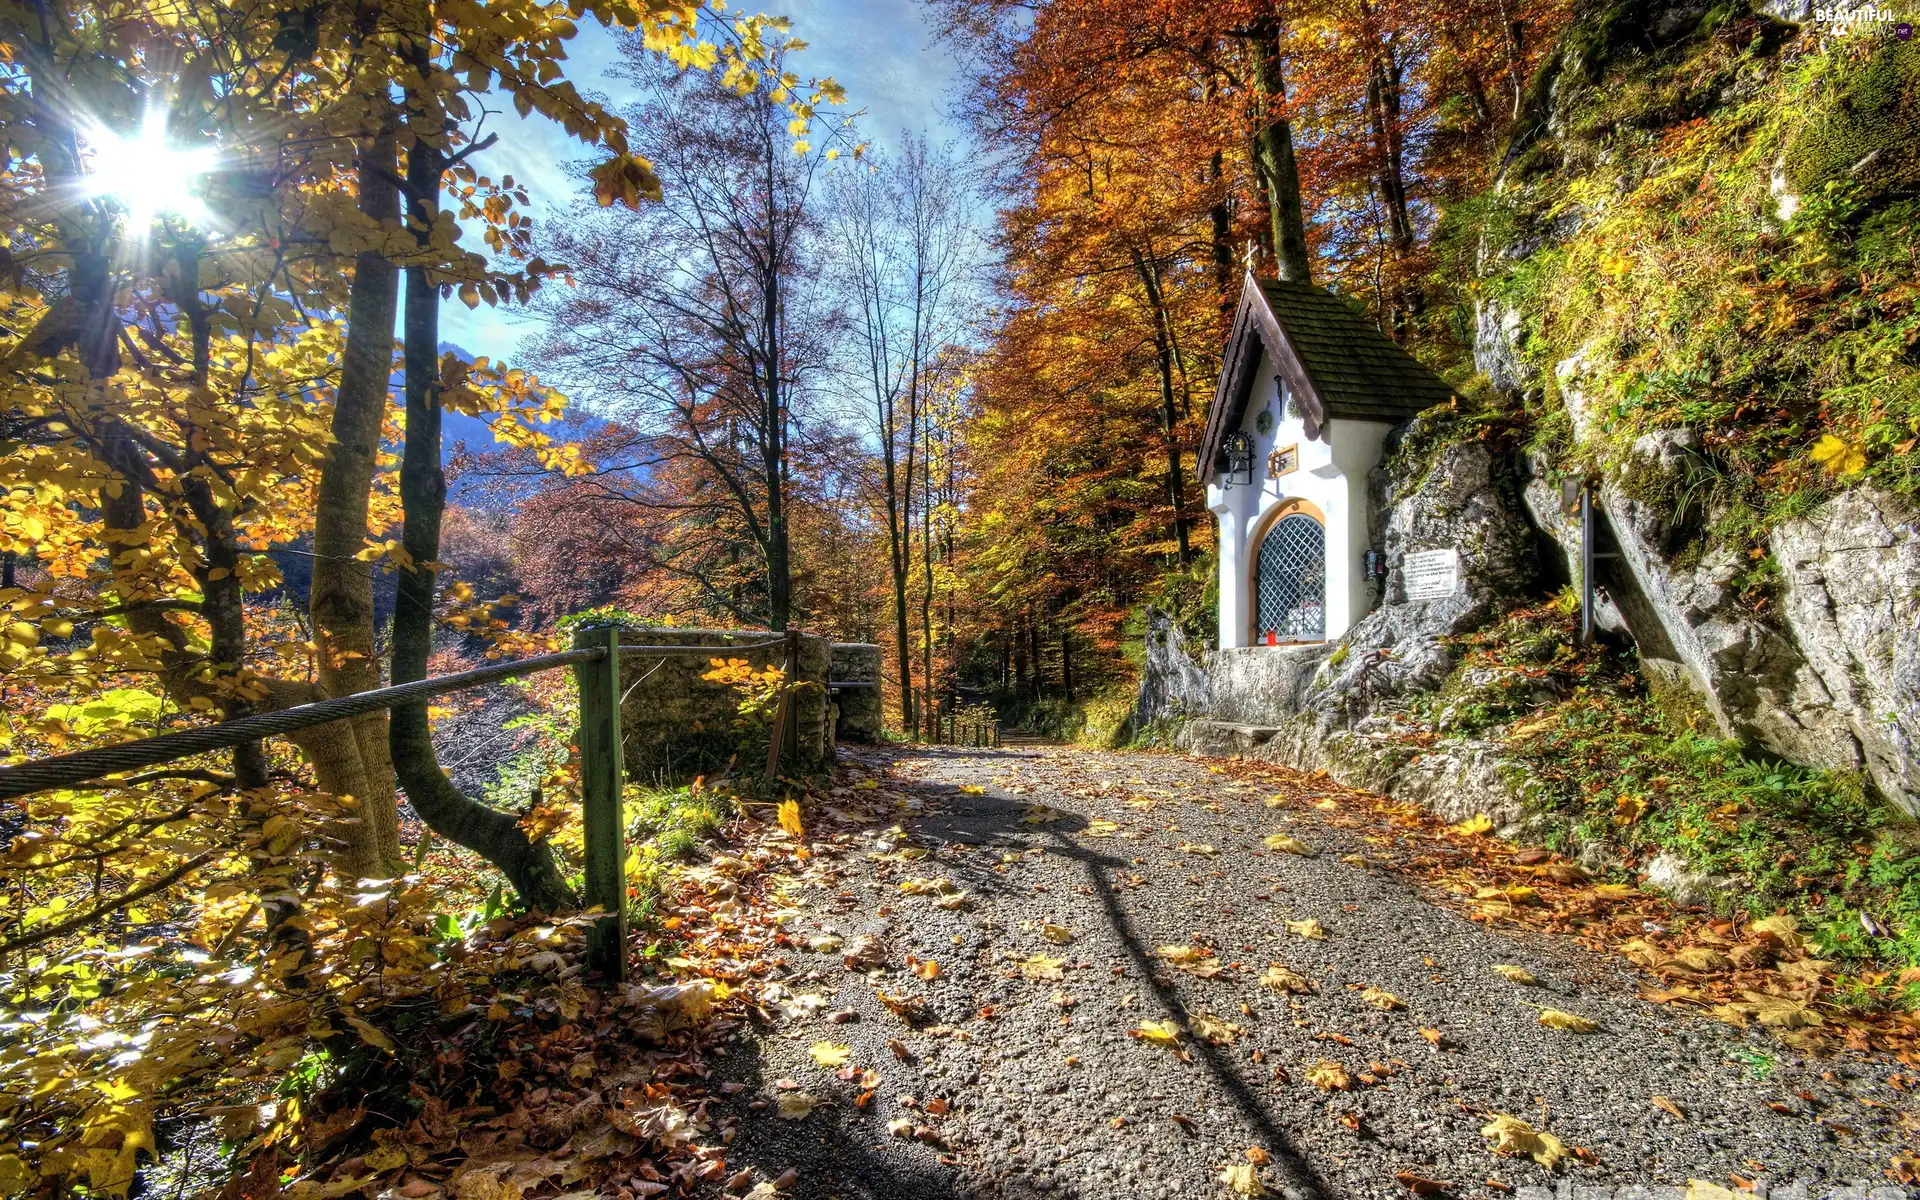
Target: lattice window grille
{"points": [[1290, 581]]}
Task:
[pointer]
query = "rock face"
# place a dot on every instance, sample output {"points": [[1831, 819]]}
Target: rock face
{"points": [[1833, 681], [1457, 501], [1172, 685], [1851, 573]]}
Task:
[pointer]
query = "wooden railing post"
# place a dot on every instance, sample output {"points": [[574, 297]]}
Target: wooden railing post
{"points": [[780, 735], [601, 782]]}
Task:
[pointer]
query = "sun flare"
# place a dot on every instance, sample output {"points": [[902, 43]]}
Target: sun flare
{"points": [[147, 173]]}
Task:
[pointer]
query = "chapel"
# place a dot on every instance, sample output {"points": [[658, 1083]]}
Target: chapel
{"points": [[1309, 389]]}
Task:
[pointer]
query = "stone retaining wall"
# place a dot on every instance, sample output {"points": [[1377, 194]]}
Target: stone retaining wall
{"points": [[675, 725]]}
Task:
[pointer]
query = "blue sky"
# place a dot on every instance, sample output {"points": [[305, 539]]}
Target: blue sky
{"points": [[882, 51]]}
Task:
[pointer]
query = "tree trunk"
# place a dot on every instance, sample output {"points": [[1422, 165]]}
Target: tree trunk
{"points": [[1221, 222], [352, 759], [1169, 413], [1273, 158], [1033, 648], [493, 834], [899, 554], [926, 565], [1066, 661]]}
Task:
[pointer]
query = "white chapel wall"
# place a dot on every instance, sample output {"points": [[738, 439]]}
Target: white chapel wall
{"points": [[1331, 475]]}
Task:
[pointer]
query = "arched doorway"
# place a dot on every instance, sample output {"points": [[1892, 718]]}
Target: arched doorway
{"points": [[1290, 579]]}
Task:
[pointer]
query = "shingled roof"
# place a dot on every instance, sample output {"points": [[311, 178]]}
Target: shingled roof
{"points": [[1336, 363]]}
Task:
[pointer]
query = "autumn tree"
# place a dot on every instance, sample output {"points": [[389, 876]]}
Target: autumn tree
{"points": [[698, 320]]}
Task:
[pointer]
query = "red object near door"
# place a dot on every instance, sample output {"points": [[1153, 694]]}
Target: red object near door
{"points": [[1273, 639]]}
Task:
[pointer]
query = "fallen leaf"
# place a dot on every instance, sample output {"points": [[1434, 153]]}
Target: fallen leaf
{"points": [[1042, 967], [1243, 1180], [1282, 979], [1434, 1036], [1778, 1012], [830, 1054], [1611, 891], [901, 1127], [795, 1106], [1701, 959], [1059, 935], [927, 969], [1700, 1189], [899, 1050], [1419, 1185], [972, 789], [1384, 1001], [789, 814], [1511, 1136], [927, 887], [1479, 823], [1258, 1156], [1518, 975], [1309, 928], [864, 953], [1669, 1107], [953, 902], [1160, 1033], [1100, 828], [825, 943], [1553, 1018], [1783, 928], [1195, 848], [1212, 1029], [1329, 1076], [1288, 844]]}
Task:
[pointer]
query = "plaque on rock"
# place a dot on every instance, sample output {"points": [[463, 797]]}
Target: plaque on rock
{"points": [[1430, 574]]}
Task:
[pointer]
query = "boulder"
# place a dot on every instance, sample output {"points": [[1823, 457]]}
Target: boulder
{"points": [[1459, 499], [1830, 678]]}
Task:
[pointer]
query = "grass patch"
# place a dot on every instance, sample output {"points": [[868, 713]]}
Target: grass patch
{"points": [[665, 827]]}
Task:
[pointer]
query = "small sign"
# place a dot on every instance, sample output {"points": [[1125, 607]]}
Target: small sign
{"points": [[1283, 461], [1430, 574]]}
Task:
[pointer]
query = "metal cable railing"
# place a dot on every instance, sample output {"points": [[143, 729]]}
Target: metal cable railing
{"points": [[67, 770]]}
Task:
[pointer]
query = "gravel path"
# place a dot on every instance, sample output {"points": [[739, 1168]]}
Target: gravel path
{"points": [[1047, 1093]]}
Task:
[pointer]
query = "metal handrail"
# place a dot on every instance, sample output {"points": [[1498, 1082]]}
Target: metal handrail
{"points": [[66, 770]]}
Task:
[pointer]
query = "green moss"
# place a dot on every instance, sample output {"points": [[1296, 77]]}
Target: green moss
{"points": [[1869, 136]]}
